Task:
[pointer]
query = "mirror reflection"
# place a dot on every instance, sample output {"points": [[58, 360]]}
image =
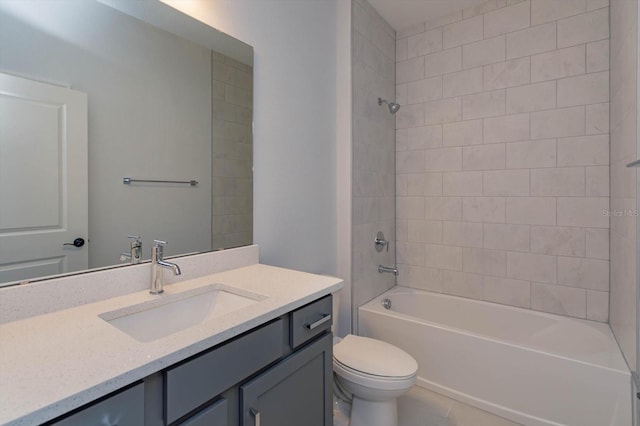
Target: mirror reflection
{"points": [[91, 96]]}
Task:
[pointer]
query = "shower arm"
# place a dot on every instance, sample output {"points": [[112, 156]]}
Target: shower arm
{"points": [[393, 107]]}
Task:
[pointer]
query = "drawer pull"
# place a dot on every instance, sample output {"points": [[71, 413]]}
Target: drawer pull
{"points": [[256, 416], [318, 323]]}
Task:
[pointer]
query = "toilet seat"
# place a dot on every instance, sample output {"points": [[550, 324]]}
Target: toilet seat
{"points": [[374, 357], [372, 381]]}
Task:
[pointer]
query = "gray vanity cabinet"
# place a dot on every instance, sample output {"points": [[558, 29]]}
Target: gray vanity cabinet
{"points": [[297, 391], [277, 374]]}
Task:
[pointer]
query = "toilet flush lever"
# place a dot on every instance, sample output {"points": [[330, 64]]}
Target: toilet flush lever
{"points": [[380, 242]]}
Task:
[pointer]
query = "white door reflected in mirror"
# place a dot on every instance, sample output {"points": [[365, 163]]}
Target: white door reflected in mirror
{"points": [[43, 179]]}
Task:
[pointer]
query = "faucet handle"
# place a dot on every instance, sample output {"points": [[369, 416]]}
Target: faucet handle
{"points": [[380, 242], [158, 249], [137, 240]]}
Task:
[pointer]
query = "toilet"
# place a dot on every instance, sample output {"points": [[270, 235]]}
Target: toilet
{"points": [[372, 374]]}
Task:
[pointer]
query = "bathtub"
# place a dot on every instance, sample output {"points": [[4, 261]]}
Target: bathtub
{"points": [[530, 367]]}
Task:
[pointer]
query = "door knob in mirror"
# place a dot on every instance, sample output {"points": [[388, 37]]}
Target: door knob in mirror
{"points": [[78, 242]]}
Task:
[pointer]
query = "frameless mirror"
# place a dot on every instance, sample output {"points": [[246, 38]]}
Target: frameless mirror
{"points": [[119, 118]]}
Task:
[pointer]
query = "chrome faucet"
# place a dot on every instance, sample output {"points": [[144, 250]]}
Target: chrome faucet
{"points": [[157, 265], [382, 269], [135, 251]]}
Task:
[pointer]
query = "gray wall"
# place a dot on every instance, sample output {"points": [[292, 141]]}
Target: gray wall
{"points": [[294, 123], [149, 117], [373, 152]]}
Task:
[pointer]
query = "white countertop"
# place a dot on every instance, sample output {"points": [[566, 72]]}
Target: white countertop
{"points": [[53, 363]]}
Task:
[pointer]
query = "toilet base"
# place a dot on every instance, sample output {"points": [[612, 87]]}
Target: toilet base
{"points": [[341, 412], [374, 413]]}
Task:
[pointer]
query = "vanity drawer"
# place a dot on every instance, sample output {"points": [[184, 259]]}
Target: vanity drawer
{"points": [[311, 320], [125, 408], [196, 381]]}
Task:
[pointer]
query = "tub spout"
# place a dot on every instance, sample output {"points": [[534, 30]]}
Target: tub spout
{"points": [[382, 269]]}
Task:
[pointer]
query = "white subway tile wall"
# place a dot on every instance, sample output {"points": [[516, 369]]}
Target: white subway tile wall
{"points": [[503, 155]]}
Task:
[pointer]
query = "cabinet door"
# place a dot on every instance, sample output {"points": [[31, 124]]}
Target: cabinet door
{"points": [[125, 408], [297, 391]]}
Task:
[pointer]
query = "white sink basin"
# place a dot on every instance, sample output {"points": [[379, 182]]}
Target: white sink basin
{"points": [[169, 314]]}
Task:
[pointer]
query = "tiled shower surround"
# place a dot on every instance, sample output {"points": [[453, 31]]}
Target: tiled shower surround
{"points": [[503, 155], [373, 155]]}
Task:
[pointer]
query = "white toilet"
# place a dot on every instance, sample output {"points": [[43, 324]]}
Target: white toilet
{"points": [[373, 374]]}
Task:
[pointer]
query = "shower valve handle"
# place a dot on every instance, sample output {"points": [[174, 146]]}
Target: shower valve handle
{"points": [[380, 242]]}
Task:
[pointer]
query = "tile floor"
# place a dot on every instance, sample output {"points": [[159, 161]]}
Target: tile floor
{"points": [[420, 407]]}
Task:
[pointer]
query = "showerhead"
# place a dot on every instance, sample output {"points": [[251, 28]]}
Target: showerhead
{"points": [[393, 107]]}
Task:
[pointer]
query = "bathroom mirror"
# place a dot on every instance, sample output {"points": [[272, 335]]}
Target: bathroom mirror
{"points": [[167, 100]]}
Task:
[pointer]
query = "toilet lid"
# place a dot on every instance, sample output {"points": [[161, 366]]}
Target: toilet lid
{"points": [[374, 357]]}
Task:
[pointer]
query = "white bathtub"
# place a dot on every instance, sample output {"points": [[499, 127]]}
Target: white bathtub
{"points": [[530, 367]]}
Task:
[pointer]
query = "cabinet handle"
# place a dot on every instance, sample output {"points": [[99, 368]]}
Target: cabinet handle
{"points": [[256, 416], [318, 323]]}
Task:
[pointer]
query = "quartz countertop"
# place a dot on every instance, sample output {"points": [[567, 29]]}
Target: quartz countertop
{"points": [[56, 362]]}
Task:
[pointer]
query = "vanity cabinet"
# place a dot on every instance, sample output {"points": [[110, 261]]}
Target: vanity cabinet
{"points": [[278, 374], [297, 391]]}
